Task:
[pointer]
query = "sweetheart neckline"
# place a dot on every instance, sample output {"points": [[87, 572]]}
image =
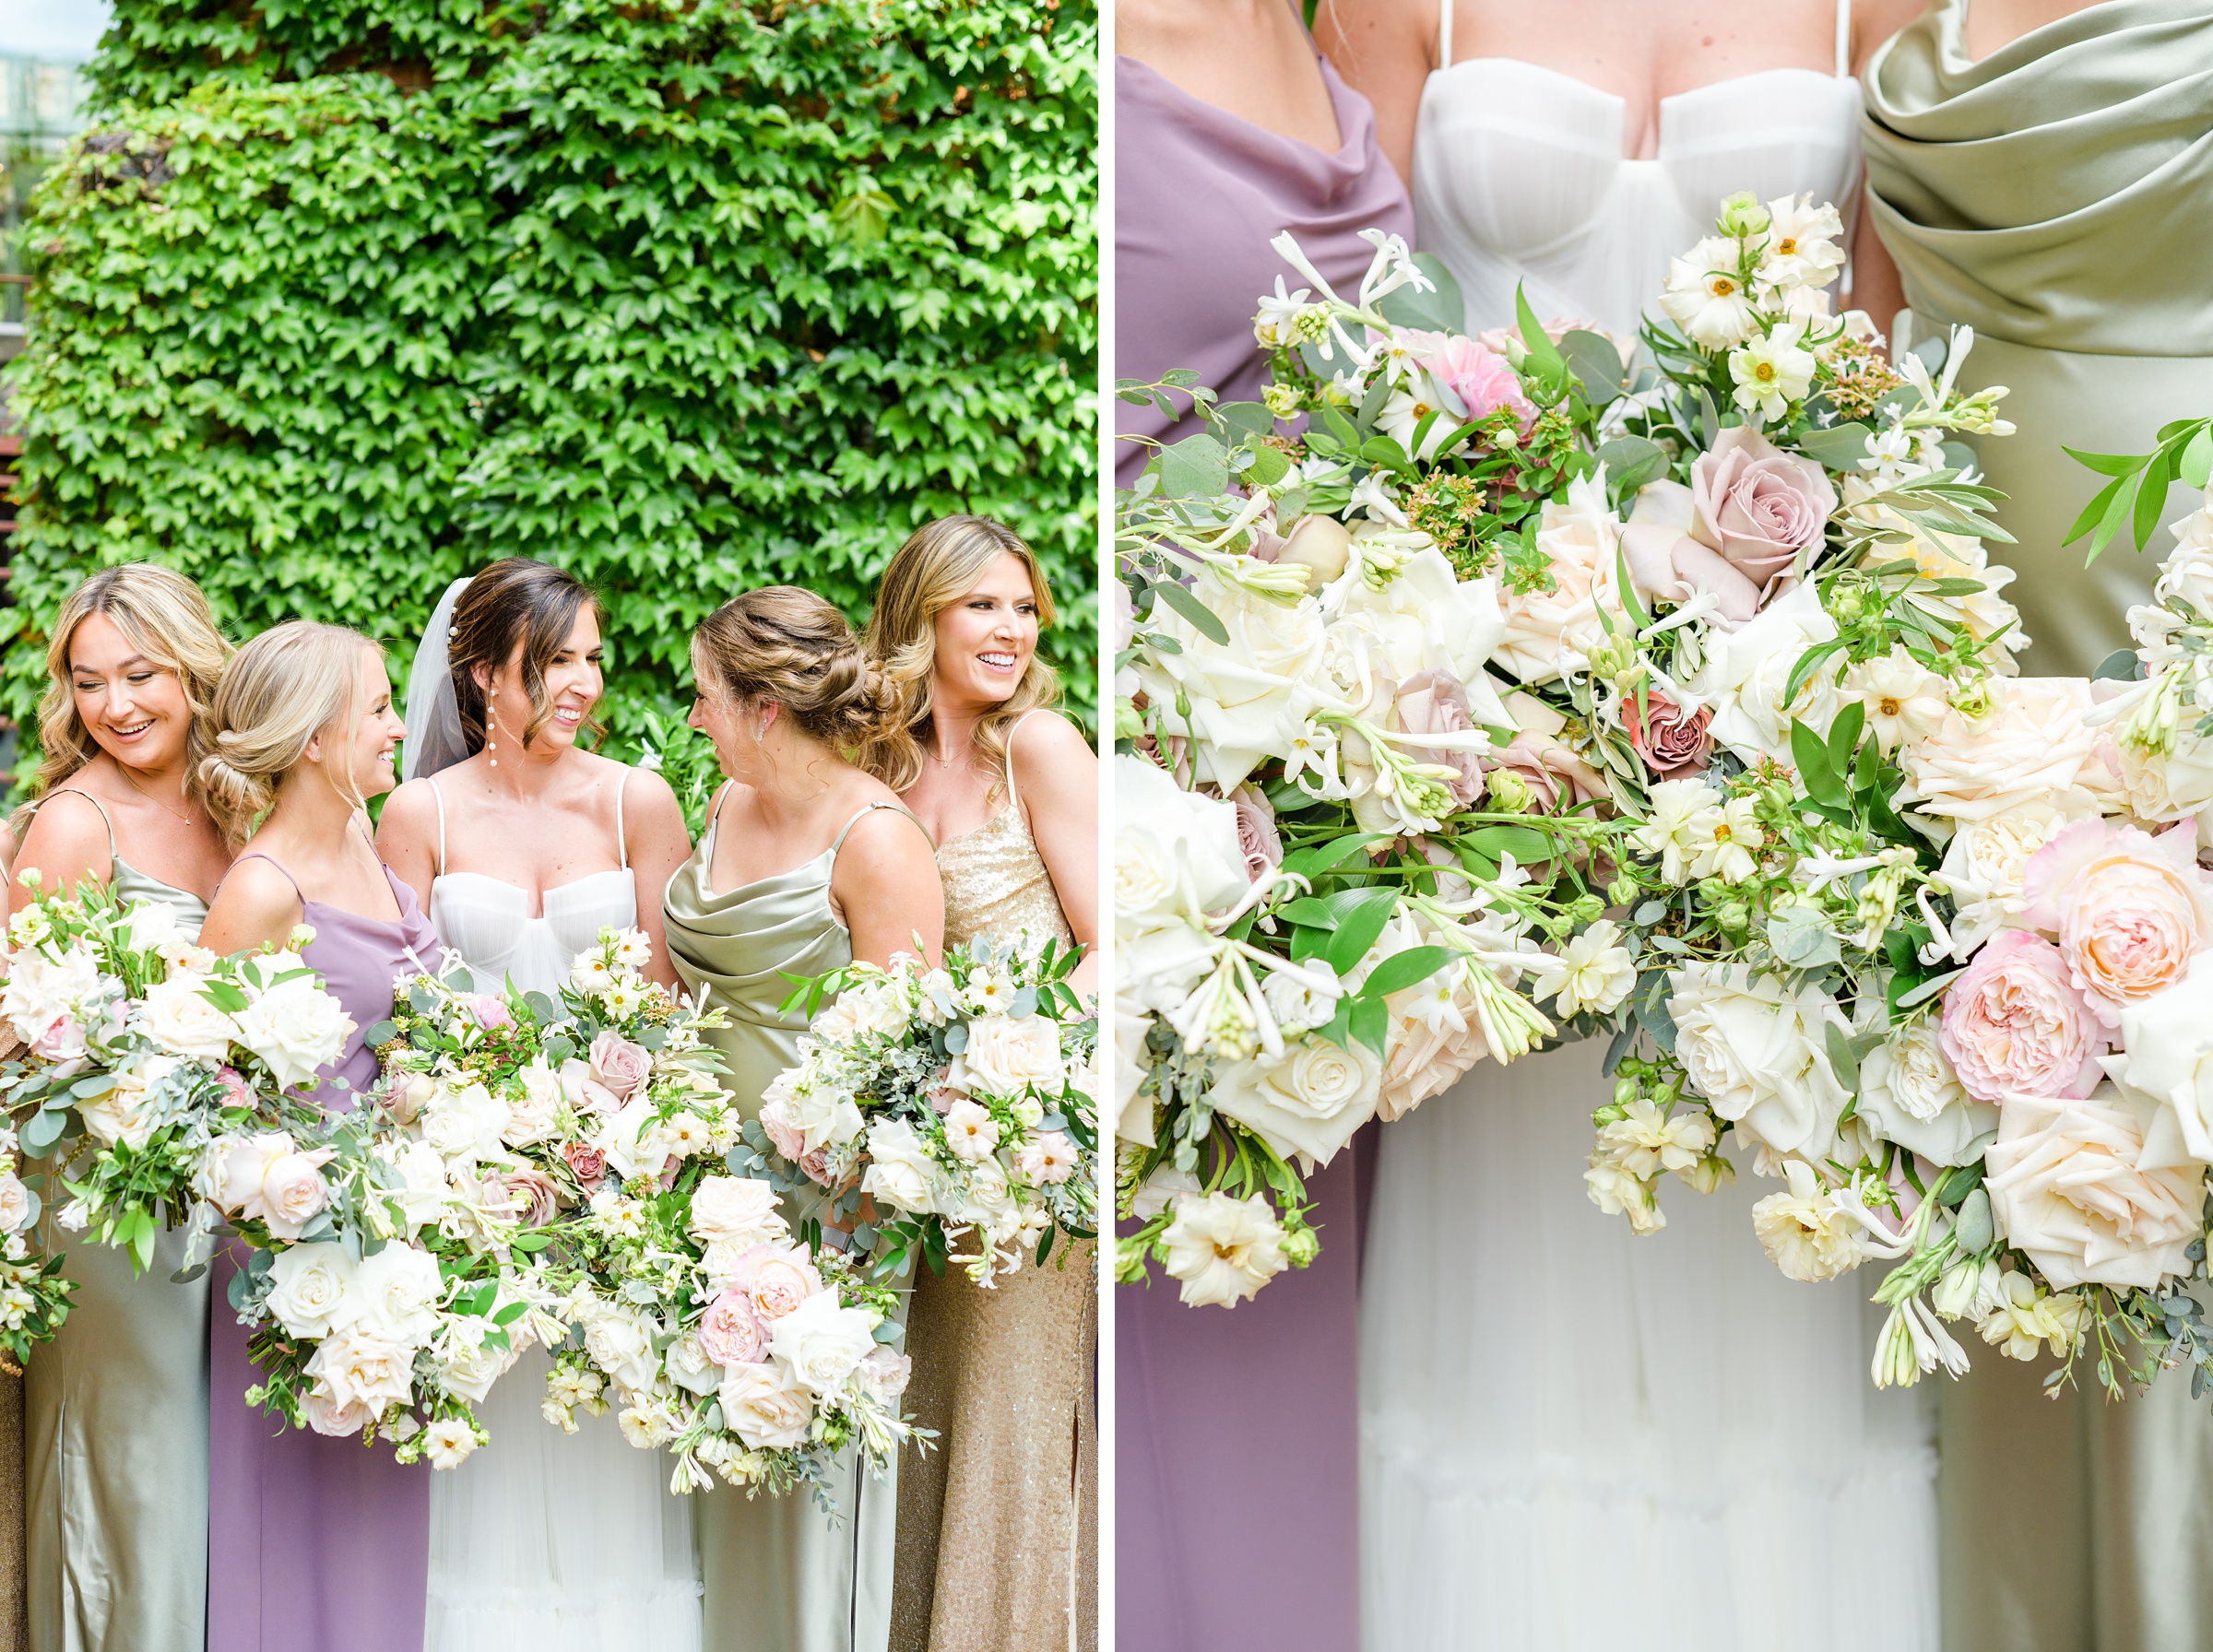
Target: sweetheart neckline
{"points": [[544, 895]]}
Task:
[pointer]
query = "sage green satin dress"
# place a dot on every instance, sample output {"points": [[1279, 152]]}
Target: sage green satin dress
{"points": [[2058, 198], [115, 1433], [780, 1575]]}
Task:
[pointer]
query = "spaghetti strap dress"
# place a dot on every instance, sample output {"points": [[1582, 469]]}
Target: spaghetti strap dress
{"points": [[780, 1574], [998, 1530], [117, 1403], [320, 1543]]}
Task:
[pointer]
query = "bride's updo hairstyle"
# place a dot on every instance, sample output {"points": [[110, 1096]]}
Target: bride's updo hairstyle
{"points": [[515, 602], [941, 563], [163, 616], [790, 646], [280, 691]]}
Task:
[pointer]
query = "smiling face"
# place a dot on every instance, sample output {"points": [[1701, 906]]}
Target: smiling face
{"points": [[985, 639], [730, 724], [135, 710], [356, 750], [574, 682]]}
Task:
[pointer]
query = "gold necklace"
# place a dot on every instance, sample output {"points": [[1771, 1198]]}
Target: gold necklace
{"points": [[123, 769]]}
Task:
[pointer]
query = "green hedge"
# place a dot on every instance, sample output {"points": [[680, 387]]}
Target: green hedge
{"points": [[339, 299]]}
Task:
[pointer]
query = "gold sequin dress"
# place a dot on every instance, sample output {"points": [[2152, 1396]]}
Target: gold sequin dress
{"points": [[997, 1546]]}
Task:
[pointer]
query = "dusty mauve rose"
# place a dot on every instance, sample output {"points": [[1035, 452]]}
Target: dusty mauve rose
{"points": [[731, 1333], [588, 1163], [1673, 746], [816, 1166], [1256, 832], [533, 1192], [2129, 909], [1437, 702], [1756, 505], [620, 1064], [2015, 1023]]}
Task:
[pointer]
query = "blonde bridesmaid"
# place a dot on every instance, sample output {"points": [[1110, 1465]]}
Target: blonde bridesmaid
{"points": [[807, 864], [997, 1539], [116, 1408]]}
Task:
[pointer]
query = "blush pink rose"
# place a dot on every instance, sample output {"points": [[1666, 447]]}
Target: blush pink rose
{"points": [[775, 1279], [1437, 702], [587, 1161], [618, 1065], [1670, 744], [789, 1139], [326, 1415], [1481, 378], [731, 1333], [1757, 507], [2130, 910], [2016, 1022]]}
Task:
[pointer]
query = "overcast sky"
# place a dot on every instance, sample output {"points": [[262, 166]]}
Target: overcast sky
{"points": [[66, 30]]}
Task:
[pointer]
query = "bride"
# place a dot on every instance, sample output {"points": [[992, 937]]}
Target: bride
{"points": [[522, 846], [1572, 1438]]}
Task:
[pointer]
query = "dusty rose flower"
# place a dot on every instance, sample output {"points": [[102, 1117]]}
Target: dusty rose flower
{"points": [[588, 1163], [1256, 832], [2014, 1022], [620, 1064], [816, 1166], [1555, 777], [731, 1332], [1757, 506], [532, 1192], [1671, 744], [2129, 909], [1437, 702]]}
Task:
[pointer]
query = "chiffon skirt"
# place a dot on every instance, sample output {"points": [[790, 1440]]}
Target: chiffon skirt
{"points": [[1577, 1439], [546, 1542]]}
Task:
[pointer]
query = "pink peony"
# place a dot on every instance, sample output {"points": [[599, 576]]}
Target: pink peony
{"points": [[731, 1333], [618, 1065], [2014, 1022], [2129, 909], [1481, 378], [587, 1161], [486, 1011], [777, 1279], [1673, 746]]}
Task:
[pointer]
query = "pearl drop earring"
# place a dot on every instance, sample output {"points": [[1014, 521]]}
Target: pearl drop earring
{"points": [[491, 724]]}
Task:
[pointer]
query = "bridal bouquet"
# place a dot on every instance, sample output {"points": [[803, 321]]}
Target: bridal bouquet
{"points": [[960, 1098], [1456, 703]]}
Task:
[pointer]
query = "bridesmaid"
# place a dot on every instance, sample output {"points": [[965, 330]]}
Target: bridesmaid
{"points": [[322, 1543], [804, 868], [1230, 128], [997, 1537], [507, 812], [2043, 170], [118, 1402]]}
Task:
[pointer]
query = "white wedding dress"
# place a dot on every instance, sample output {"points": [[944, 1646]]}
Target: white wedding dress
{"points": [[547, 1542], [1573, 1438]]}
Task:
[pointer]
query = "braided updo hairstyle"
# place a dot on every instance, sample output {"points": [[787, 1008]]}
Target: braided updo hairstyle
{"points": [[277, 693], [790, 646]]}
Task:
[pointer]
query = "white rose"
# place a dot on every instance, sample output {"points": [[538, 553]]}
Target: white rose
{"points": [[1223, 1249], [364, 1368], [531, 1110], [127, 1113], [765, 1408], [823, 1114], [2066, 1187], [293, 1192], [736, 1210], [1176, 855], [231, 1173], [395, 1293], [472, 1364], [632, 1140], [1746, 670], [820, 1343], [718, 1261], [1759, 1051], [900, 1171], [1549, 633], [873, 1007], [620, 1343], [1311, 1100], [312, 1293], [1984, 866], [296, 1028], [1006, 1053], [464, 1124], [1909, 1094], [1427, 618], [688, 1367], [424, 1188], [1248, 697], [148, 924], [327, 1415], [2166, 1057], [179, 1018], [2034, 748], [15, 1203]]}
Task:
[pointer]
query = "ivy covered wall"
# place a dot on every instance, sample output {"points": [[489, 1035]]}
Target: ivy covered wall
{"points": [[340, 299]]}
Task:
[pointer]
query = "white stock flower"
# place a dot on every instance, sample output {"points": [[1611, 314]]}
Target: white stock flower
{"points": [[2026, 1316], [1619, 1191], [1593, 971], [1645, 1141], [1223, 1249], [1802, 1232]]}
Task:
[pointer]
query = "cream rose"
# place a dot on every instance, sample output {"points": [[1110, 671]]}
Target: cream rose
{"points": [[16, 1209], [295, 1027], [900, 1172], [531, 1109], [777, 1278], [1221, 1248], [735, 1208], [1248, 697], [2034, 748], [1424, 619], [1307, 1101], [1550, 633], [2166, 1055], [364, 1368], [1176, 855], [1984, 867], [2014, 1022], [328, 1415], [178, 1017], [621, 1344], [1758, 1051], [1006, 1053], [820, 1343], [293, 1192], [2065, 1187], [873, 1007], [765, 1408], [1910, 1095], [2130, 910], [397, 1292]]}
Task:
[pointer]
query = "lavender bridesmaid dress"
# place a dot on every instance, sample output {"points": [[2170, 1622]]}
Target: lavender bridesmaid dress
{"points": [[317, 1544], [1236, 1497]]}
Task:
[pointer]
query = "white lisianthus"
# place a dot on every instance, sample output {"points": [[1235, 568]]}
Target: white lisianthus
{"points": [[43, 989], [1309, 1100], [1909, 1094], [178, 1017], [1756, 1049], [1679, 827], [1771, 373], [820, 1343], [688, 1367], [873, 1007], [1221, 1248], [1593, 971], [472, 1364], [1802, 1232]]}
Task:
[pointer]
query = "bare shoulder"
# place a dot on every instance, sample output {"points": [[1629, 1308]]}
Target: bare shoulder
{"points": [[410, 813], [1875, 21], [1047, 745], [1343, 28], [644, 791], [257, 901], [887, 831], [66, 835]]}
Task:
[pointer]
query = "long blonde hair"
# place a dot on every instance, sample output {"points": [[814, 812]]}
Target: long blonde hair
{"points": [[941, 563], [279, 691], [165, 617]]}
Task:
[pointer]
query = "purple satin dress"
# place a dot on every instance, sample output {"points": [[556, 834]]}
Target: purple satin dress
{"points": [[1201, 194], [317, 1544], [1236, 1517]]}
